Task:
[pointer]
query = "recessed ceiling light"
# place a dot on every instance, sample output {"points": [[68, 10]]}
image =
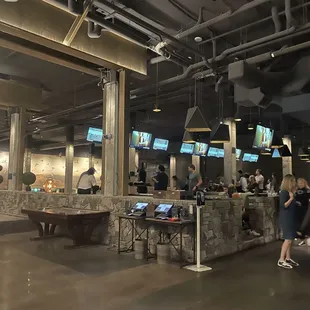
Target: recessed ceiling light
{"points": [[190, 57], [10, 0], [198, 39]]}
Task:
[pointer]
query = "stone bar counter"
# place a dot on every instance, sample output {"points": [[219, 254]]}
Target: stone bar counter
{"points": [[221, 218]]}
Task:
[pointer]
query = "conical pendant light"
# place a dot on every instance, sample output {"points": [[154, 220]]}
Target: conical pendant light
{"points": [[220, 134], [285, 151], [303, 152], [195, 121], [276, 142], [188, 137]]}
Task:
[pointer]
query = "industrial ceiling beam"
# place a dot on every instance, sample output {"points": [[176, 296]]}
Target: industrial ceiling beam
{"points": [[43, 24]]}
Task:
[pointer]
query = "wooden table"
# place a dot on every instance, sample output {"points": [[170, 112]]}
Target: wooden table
{"points": [[80, 223]]}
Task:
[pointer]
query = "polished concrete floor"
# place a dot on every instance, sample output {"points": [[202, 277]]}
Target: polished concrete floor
{"points": [[42, 275]]}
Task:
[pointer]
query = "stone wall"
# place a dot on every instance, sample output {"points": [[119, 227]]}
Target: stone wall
{"points": [[221, 220]]}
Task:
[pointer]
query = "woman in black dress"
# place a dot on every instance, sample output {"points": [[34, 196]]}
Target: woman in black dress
{"points": [[302, 199], [287, 220]]}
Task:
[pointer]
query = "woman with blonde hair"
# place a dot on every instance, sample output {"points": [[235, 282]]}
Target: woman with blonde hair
{"points": [[287, 220]]}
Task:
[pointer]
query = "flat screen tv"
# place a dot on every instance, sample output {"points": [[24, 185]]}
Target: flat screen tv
{"points": [[160, 144], [276, 154], [187, 148], [141, 140], [252, 158], [263, 138], [238, 154], [94, 134], [215, 152], [200, 149]]}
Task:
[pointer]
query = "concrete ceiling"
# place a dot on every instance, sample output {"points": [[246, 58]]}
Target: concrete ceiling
{"points": [[66, 88]]}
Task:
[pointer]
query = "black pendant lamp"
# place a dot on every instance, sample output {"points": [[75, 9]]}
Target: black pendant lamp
{"points": [[277, 142], [303, 152], [195, 122], [220, 133], [285, 151], [188, 137]]}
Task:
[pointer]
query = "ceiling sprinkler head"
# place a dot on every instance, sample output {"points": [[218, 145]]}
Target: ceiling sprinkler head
{"points": [[198, 39]]}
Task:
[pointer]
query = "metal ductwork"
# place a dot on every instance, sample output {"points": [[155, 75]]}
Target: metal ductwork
{"points": [[250, 97], [253, 81]]}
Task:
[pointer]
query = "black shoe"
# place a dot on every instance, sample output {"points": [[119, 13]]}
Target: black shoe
{"points": [[284, 265], [291, 262]]}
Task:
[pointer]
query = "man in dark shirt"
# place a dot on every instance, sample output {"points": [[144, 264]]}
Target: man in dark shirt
{"points": [[142, 174], [161, 179]]}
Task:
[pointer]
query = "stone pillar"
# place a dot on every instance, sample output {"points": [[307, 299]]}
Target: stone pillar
{"points": [[27, 155], [91, 155], [230, 162], [173, 169], [287, 162], [115, 124], [196, 162], [123, 134], [69, 159], [17, 144]]}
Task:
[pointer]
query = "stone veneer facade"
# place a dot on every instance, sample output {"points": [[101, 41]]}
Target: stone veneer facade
{"points": [[221, 220]]}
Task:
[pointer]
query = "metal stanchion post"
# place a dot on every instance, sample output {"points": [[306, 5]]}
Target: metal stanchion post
{"points": [[198, 267]]}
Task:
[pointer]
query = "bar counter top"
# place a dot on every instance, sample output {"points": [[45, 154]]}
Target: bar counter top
{"points": [[221, 217]]}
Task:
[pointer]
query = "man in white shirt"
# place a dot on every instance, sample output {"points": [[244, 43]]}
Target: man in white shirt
{"points": [[86, 182], [244, 182], [259, 179]]}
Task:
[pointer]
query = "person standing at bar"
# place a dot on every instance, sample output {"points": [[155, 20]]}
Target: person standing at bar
{"points": [[161, 179], [86, 182], [287, 221], [194, 179], [302, 199], [259, 178]]}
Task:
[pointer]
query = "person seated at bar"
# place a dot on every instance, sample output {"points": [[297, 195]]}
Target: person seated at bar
{"points": [[160, 179], [179, 184], [194, 179], [252, 184], [86, 182]]}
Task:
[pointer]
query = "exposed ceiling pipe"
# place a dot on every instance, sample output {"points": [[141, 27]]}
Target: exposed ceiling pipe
{"points": [[288, 14], [64, 112], [276, 19], [257, 42], [180, 77], [217, 19], [153, 29], [295, 8], [283, 51]]}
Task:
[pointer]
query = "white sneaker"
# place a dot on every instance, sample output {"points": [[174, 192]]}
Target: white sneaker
{"points": [[302, 243], [292, 262], [284, 265], [254, 233]]}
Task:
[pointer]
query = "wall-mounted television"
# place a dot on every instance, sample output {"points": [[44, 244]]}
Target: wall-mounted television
{"points": [[216, 152], [94, 134], [263, 138], [276, 154], [187, 148], [238, 154], [252, 158], [141, 140], [160, 144], [200, 149]]}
